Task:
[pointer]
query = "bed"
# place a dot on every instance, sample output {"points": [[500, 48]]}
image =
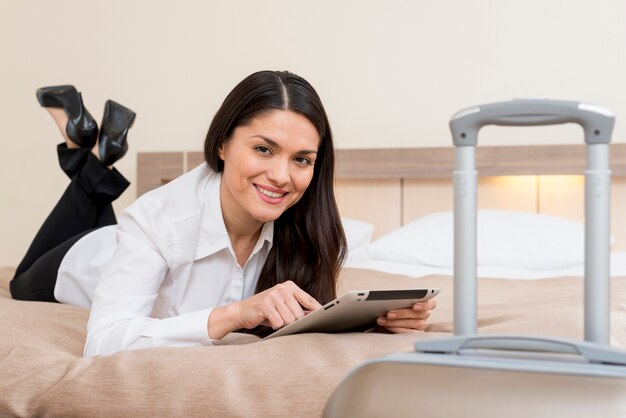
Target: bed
{"points": [[43, 374]]}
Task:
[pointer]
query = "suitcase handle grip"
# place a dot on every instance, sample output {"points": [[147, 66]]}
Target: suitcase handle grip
{"points": [[592, 352], [596, 121]]}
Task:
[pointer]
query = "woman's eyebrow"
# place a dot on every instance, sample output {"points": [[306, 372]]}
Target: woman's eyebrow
{"points": [[274, 144]]}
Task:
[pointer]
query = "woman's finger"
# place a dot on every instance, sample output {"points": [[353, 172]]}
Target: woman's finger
{"points": [[307, 301], [295, 308], [278, 303], [273, 316], [427, 305], [407, 313]]}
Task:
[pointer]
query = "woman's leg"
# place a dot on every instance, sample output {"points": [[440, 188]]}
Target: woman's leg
{"points": [[85, 205], [38, 280]]}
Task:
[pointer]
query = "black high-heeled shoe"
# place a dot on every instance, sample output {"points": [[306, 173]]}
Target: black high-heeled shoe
{"points": [[81, 127], [116, 122]]}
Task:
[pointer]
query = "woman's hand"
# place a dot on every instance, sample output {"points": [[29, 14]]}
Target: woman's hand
{"points": [[411, 319], [275, 307]]}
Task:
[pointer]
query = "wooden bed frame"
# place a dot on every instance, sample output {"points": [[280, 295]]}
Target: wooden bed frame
{"points": [[390, 187]]}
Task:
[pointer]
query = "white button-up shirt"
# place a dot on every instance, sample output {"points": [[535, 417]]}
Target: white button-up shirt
{"points": [[153, 279]]}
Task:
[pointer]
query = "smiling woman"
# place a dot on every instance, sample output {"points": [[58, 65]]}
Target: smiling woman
{"points": [[249, 240], [272, 140]]}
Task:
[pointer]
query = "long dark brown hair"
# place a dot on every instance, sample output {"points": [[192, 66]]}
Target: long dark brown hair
{"points": [[309, 243]]}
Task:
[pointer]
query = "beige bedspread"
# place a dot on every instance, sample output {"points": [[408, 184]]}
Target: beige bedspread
{"points": [[42, 371]]}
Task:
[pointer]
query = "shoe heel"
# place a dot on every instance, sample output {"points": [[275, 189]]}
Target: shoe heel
{"points": [[116, 122], [83, 127], [119, 118]]}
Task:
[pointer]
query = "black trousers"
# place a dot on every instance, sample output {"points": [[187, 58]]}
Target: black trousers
{"points": [[84, 206]]}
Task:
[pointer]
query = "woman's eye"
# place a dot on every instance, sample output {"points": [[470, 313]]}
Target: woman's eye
{"points": [[263, 150], [303, 160]]}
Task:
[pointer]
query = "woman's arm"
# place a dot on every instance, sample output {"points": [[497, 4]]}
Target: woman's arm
{"points": [[124, 299]]}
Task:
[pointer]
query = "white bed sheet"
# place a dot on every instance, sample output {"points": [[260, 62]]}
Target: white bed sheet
{"points": [[364, 260]]}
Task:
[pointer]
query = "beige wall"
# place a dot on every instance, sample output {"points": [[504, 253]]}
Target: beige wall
{"points": [[391, 73]]}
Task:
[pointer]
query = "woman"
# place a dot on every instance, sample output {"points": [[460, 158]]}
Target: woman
{"points": [[250, 239]]}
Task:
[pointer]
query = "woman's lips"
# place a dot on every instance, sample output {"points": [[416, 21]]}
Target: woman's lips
{"points": [[270, 194]]}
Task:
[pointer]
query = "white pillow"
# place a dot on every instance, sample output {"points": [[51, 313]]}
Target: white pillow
{"points": [[358, 235], [505, 238]]}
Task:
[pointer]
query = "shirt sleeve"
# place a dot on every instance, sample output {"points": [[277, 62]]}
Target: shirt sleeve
{"points": [[124, 298]]}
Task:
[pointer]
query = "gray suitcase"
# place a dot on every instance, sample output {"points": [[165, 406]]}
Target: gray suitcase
{"points": [[506, 375]]}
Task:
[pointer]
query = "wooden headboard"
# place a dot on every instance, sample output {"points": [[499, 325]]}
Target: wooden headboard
{"points": [[390, 187]]}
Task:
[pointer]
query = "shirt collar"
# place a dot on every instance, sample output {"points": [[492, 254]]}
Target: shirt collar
{"points": [[213, 236], [267, 235]]}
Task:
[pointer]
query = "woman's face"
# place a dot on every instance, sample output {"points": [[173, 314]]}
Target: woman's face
{"points": [[268, 165]]}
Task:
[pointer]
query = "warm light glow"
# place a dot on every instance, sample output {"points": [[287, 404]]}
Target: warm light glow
{"points": [[512, 181], [561, 195], [562, 181], [517, 193]]}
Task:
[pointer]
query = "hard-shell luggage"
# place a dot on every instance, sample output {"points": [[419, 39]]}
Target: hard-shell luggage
{"points": [[506, 375]]}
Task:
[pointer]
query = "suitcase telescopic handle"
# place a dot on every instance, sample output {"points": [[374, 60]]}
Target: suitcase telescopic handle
{"points": [[591, 352], [596, 121]]}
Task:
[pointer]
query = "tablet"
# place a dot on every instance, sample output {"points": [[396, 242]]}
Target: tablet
{"points": [[355, 311]]}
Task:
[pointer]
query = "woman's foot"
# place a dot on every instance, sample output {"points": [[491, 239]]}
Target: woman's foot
{"points": [[65, 105], [116, 122]]}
